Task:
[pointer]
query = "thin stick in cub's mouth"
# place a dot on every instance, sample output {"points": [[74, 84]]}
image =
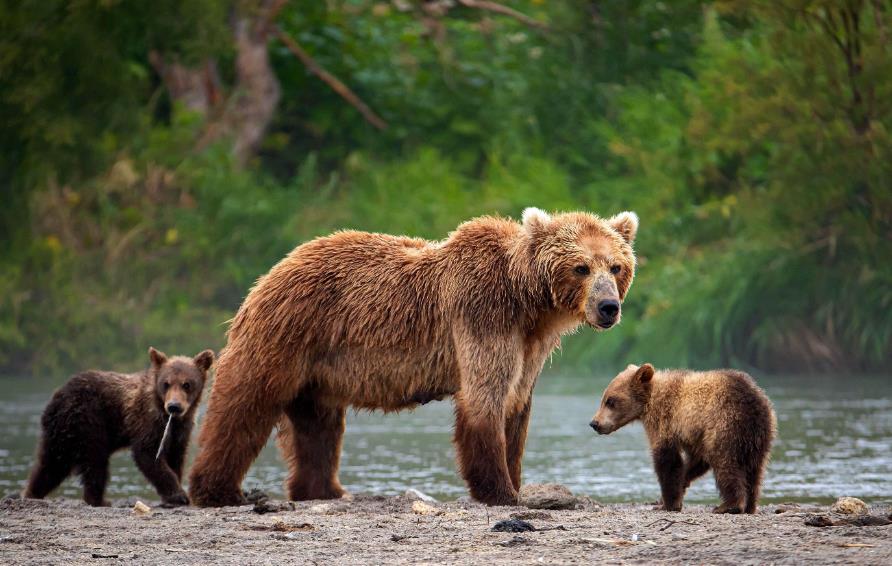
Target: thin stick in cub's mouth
{"points": [[164, 437]]}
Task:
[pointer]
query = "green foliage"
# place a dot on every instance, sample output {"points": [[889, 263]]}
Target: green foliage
{"points": [[754, 149]]}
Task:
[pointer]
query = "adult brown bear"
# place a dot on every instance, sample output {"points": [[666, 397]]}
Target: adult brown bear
{"points": [[386, 322]]}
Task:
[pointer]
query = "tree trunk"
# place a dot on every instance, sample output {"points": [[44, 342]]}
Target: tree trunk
{"points": [[247, 112]]}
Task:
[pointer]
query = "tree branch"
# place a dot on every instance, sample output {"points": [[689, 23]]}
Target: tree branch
{"points": [[497, 8], [329, 79], [270, 11]]}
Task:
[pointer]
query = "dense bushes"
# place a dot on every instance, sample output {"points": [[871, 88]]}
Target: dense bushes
{"points": [[754, 150]]}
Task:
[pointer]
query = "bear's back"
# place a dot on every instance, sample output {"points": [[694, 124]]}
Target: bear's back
{"points": [[710, 407]]}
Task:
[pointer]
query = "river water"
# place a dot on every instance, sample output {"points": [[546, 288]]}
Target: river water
{"points": [[835, 438]]}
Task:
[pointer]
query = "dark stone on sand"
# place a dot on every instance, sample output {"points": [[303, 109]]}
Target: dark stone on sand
{"points": [[512, 526], [255, 495]]}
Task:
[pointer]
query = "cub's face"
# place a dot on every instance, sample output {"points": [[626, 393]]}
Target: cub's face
{"points": [[624, 399], [588, 262], [179, 381]]}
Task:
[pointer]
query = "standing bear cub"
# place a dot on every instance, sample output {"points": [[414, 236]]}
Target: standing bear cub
{"points": [[97, 413], [696, 421]]}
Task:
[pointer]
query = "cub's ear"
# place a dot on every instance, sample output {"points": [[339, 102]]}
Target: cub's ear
{"points": [[645, 373], [534, 218], [626, 223], [204, 360], [158, 358]]}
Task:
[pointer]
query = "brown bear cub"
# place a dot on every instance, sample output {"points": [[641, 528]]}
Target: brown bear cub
{"points": [[97, 413], [696, 421]]}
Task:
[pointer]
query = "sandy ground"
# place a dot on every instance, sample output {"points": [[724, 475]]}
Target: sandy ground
{"points": [[376, 530]]}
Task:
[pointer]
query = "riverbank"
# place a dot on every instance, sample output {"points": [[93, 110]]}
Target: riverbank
{"points": [[403, 529]]}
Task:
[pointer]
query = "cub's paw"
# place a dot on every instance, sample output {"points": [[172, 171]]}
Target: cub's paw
{"points": [[731, 510], [175, 500]]}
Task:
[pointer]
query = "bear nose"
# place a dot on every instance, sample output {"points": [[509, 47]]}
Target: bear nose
{"points": [[608, 309], [174, 408], [595, 426]]}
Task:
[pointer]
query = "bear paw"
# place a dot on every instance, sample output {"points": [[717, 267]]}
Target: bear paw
{"points": [[175, 499]]}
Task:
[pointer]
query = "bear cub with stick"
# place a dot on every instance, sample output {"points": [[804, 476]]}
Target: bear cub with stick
{"points": [[97, 413], [696, 421]]}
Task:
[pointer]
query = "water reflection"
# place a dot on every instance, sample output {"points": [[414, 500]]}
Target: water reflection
{"points": [[835, 439]]}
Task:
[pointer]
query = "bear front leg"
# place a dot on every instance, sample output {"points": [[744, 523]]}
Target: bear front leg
{"points": [[160, 475], [515, 438], [480, 443], [175, 453], [490, 368], [670, 470]]}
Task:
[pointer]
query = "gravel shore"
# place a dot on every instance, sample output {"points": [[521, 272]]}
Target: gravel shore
{"points": [[403, 529]]}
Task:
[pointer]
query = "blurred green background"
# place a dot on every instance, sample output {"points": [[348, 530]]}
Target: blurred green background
{"points": [[156, 158]]}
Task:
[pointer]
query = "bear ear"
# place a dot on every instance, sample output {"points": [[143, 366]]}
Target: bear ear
{"points": [[204, 360], [626, 223], [158, 358], [534, 218], [645, 373]]}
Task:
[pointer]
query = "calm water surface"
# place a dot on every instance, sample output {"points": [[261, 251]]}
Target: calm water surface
{"points": [[835, 439]]}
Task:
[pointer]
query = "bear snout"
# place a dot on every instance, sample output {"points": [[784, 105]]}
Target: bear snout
{"points": [[174, 408], [595, 426], [603, 314], [608, 312]]}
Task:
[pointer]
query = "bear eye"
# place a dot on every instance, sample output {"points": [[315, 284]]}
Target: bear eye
{"points": [[165, 386], [610, 403], [582, 269], [615, 269], [187, 386]]}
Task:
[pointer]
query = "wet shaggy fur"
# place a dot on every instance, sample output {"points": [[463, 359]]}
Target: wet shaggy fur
{"points": [[696, 421], [385, 322], [97, 413]]}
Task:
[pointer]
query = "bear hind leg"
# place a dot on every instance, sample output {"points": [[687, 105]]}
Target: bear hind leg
{"points": [[731, 484], [753, 489], [310, 441], [237, 424], [49, 472], [94, 474]]}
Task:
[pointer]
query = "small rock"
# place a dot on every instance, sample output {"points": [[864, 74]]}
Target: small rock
{"points": [[262, 506], [512, 526], [547, 496], [818, 521], [141, 509], [416, 495], [849, 506], [422, 508], [320, 508], [255, 495]]}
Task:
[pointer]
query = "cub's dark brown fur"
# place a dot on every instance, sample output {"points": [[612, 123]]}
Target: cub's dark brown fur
{"points": [[97, 413], [696, 421]]}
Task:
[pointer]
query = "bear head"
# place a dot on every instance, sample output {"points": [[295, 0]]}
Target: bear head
{"points": [[586, 262], [625, 399], [179, 381]]}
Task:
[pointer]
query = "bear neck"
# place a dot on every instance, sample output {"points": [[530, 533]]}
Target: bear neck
{"points": [[528, 280], [659, 408]]}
